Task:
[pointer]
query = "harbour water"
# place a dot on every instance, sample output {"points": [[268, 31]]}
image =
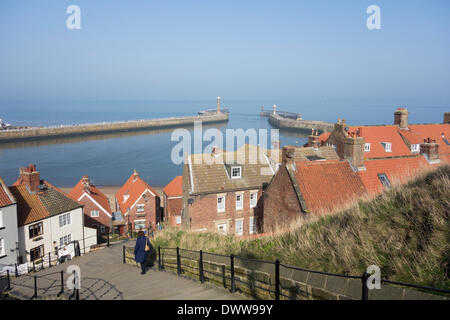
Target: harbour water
{"points": [[109, 159]]}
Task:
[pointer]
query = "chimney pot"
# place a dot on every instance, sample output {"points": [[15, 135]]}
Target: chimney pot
{"points": [[30, 177], [430, 149]]}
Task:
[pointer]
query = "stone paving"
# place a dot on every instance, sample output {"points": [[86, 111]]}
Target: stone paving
{"points": [[104, 276]]}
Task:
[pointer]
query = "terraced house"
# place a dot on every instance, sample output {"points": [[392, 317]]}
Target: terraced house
{"points": [[139, 204], [173, 201], [8, 227], [47, 218], [97, 212], [222, 190]]}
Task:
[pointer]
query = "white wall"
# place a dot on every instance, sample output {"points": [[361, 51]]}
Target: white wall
{"points": [[10, 234], [53, 232]]}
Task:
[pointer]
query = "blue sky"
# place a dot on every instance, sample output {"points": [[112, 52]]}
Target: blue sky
{"points": [[242, 50]]}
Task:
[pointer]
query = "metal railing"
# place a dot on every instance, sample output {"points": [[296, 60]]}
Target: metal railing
{"points": [[201, 272]]}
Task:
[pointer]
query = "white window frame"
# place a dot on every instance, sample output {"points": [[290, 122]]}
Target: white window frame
{"points": [[1, 219], [240, 203], [65, 239], [232, 173], [255, 200], [251, 225], [2, 247], [415, 147], [177, 220], [140, 208], [387, 146], [239, 231], [95, 213], [224, 224], [65, 219], [367, 147], [221, 209]]}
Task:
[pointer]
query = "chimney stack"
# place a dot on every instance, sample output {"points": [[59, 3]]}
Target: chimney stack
{"points": [[401, 118], [30, 177], [218, 104], [430, 149], [354, 151], [446, 117], [86, 184], [287, 155], [313, 139]]}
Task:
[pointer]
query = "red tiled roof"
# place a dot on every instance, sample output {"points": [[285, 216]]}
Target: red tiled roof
{"points": [[6, 198], [418, 132], [324, 137], [175, 187], [327, 185], [29, 206], [95, 193], [134, 188], [397, 170], [375, 135]]}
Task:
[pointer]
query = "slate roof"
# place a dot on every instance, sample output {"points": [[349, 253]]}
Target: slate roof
{"points": [[310, 153], [214, 177], [95, 193], [6, 198], [326, 185], [32, 207], [174, 187]]}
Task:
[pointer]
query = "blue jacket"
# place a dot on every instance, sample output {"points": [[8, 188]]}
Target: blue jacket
{"points": [[140, 255]]}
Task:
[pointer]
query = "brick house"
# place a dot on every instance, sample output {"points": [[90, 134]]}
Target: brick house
{"points": [[47, 218], [222, 190], [97, 212], [139, 204], [173, 201], [311, 187]]}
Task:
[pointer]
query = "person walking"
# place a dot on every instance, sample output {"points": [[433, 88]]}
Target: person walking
{"points": [[141, 250]]}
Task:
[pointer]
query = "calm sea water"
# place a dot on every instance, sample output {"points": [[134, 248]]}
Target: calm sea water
{"points": [[110, 159]]}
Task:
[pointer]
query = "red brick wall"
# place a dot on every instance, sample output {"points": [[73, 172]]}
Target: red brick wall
{"points": [[203, 212], [94, 222], [281, 205], [151, 212], [170, 215]]}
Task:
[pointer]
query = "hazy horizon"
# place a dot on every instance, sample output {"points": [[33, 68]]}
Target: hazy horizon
{"points": [[319, 51]]}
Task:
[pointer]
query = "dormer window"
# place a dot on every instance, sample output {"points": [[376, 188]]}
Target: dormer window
{"points": [[415, 148], [235, 172], [387, 146], [367, 147]]}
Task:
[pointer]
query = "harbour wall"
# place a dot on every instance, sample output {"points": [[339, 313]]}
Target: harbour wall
{"points": [[7, 136], [302, 125]]}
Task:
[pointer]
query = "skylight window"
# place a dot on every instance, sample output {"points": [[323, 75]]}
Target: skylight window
{"points": [[384, 180], [366, 147]]}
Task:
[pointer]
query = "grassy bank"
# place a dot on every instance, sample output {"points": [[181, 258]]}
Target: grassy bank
{"points": [[405, 231]]}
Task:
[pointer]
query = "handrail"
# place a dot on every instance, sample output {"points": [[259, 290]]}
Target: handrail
{"points": [[278, 264]]}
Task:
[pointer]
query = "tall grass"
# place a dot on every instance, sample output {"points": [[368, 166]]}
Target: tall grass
{"points": [[405, 231]]}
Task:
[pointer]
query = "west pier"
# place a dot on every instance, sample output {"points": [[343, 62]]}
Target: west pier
{"points": [[38, 133]]}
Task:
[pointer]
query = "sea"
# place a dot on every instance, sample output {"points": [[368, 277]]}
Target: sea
{"points": [[109, 159]]}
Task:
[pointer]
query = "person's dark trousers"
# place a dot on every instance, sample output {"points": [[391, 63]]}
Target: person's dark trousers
{"points": [[142, 267]]}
